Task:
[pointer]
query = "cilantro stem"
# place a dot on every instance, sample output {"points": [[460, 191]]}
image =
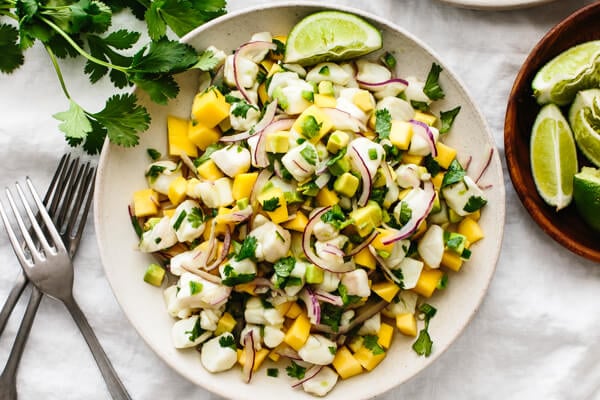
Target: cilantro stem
{"points": [[58, 71], [80, 50]]}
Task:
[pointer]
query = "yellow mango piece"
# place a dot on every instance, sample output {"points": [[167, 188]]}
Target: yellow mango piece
{"points": [[209, 108], [446, 154], [420, 230], [262, 93], [275, 68], [201, 135], [145, 202], [377, 242], [363, 100], [297, 224], [411, 159], [177, 190], [266, 64], [179, 142], [385, 335], [356, 343], [367, 359], [243, 184], [316, 115], [279, 214], [274, 356], [364, 258], [226, 324], [437, 180], [298, 332], [294, 311], [327, 197], [426, 118], [451, 260], [325, 101], [428, 282], [475, 215], [249, 288], [406, 324], [169, 213], [283, 308], [345, 364], [471, 229], [386, 290], [259, 357], [209, 170], [401, 134]]}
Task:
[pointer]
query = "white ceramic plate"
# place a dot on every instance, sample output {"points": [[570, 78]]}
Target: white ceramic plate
{"points": [[496, 4], [121, 172]]}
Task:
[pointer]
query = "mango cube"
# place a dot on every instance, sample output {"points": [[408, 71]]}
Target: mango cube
{"points": [[226, 324], [322, 100], [385, 335], [386, 290], [259, 357], [313, 124], [471, 229], [345, 364], [274, 356], [451, 260], [297, 224], [428, 282], [275, 196], [294, 311], [179, 142], [412, 159], [201, 135], [437, 180], [426, 118], [283, 308], [209, 170], [145, 202], [298, 332], [406, 324], [278, 142], [368, 359], [401, 134], [243, 184], [445, 154], [346, 184], [364, 100], [177, 190], [262, 92], [209, 108], [377, 243], [326, 197], [364, 258]]}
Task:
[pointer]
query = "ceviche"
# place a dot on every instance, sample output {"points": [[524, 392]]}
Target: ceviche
{"points": [[304, 214]]}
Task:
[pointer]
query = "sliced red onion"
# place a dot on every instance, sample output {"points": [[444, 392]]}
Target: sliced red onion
{"points": [[376, 86], [333, 250], [313, 308], [250, 354], [343, 120], [465, 162], [203, 274], [328, 298], [288, 352], [237, 216], [300, 167], [190, 164], [486, 165], [259, 156], [387, 271], [223, 255], [277, 169], [268, 118], [206, 255], [415, 220], [310, 253], [367, 179], [422, 129], [364, 244], [221, 300], [240, 52], [261, 180], [322, 180], [311, 373]]}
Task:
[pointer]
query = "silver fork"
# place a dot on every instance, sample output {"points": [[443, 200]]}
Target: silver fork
{"points": [[51, 270], [59, 200]]}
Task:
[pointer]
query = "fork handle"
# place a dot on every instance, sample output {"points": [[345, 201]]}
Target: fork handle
{"points": [[114, 384], [12, 299]]}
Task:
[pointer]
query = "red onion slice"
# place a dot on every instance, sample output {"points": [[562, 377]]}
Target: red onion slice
{"points": [[387, 271], [310, 253], [311, 373], [250, 354], [203, 274], [367, 179], [364, 244], [328, 298], [415, 220], [237, 216], [261, 180], [313, 308], [422, 129], [259, 156], [240, 52], [343, 120], [286, 351], [223, 255], [377, 86], [486, 165]]}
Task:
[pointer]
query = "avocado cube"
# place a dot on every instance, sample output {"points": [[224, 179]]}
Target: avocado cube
{"points": [[455, 242], [278, 142], [453, 216], [346, 184], [242, 203], [326, 88], [367, 218], [314, 274], [154, 275], [293, 197], [437, 206], [340, 166], [337, 141]]}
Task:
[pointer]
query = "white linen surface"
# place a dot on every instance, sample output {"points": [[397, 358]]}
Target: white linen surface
{"points": [[536, 336]]}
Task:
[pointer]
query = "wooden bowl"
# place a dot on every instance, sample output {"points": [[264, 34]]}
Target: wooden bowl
{"points": [[565, 226]]}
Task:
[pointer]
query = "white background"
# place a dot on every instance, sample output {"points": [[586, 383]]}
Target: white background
{"points": [[536, 336]]}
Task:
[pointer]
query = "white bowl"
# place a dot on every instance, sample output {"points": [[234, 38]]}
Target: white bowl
{"points": [[121, 172]]}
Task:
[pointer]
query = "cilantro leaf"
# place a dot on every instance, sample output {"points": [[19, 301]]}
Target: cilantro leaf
{"points": [[232, 278], [370, 342], [248, 249], [160, 88], [347, 298], [123, 119], [447, 119], [295, 371], [195, 332], [195, 287], [75, 122], [154, 154], [95, 139], [419, 105], [474, 203], [309, 153], [207, 153], [271, 204], [195, 217], [331, 315], [227, 341], [455, 174], [206, 61], [164, 56], [383, 123], [241, 108], [181, 15], [104, 49], [422, 346], [336, 217], [12, 56], [405, 213], [432, 88], [283, 268]]}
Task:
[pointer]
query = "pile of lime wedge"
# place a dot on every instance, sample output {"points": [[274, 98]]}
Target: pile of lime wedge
{"points": [[568, 85]]}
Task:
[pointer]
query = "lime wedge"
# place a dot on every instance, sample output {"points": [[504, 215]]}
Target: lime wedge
{"points": [[575, 69], [584, 117], [586, 194], [331, 36], [553, 157]]}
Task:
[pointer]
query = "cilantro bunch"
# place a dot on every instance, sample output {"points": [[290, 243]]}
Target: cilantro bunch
{"points": [[80, 28]]}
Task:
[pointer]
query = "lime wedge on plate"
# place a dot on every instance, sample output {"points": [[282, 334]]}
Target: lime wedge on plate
{"points": [[584, 117], [575, 69], [586, 193], [331, 36], [553, 157]]}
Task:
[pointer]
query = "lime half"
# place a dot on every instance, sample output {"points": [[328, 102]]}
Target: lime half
{"points": [[331, 36], [553, 157], [586, 193], [584, 117], [575, 69]]}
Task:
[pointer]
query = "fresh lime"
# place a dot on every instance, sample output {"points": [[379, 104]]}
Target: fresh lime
{"points": [[553, 157], [586, 193], [575, 69], [584, 117], [331, 36]]}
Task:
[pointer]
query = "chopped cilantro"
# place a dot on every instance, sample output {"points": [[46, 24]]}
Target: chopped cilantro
{"points": [[338, 156], [372, 154], [433, 167], [283, 268], [310, 127], [332, 350], [309, 188], [308, 95], [280, 50], [331, 315], [309, 154], [207, 153], [324, 70], [474, 203], [248, 249], [336, 217], [466, 254], [388, 60], [180, 219], [447, 119], [422, 346], [273, 372], [271, 204], [432, 88], [154, 171], [419, 105], [227, 341], [232, 278], [383, 123], [405, 213], [370, 342], [347, 298], [154, 154], [195, 287], [206, 61], [455, 174], [241, 108], [195, 217], [295, 371], [195, 332], [443, 283]]}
